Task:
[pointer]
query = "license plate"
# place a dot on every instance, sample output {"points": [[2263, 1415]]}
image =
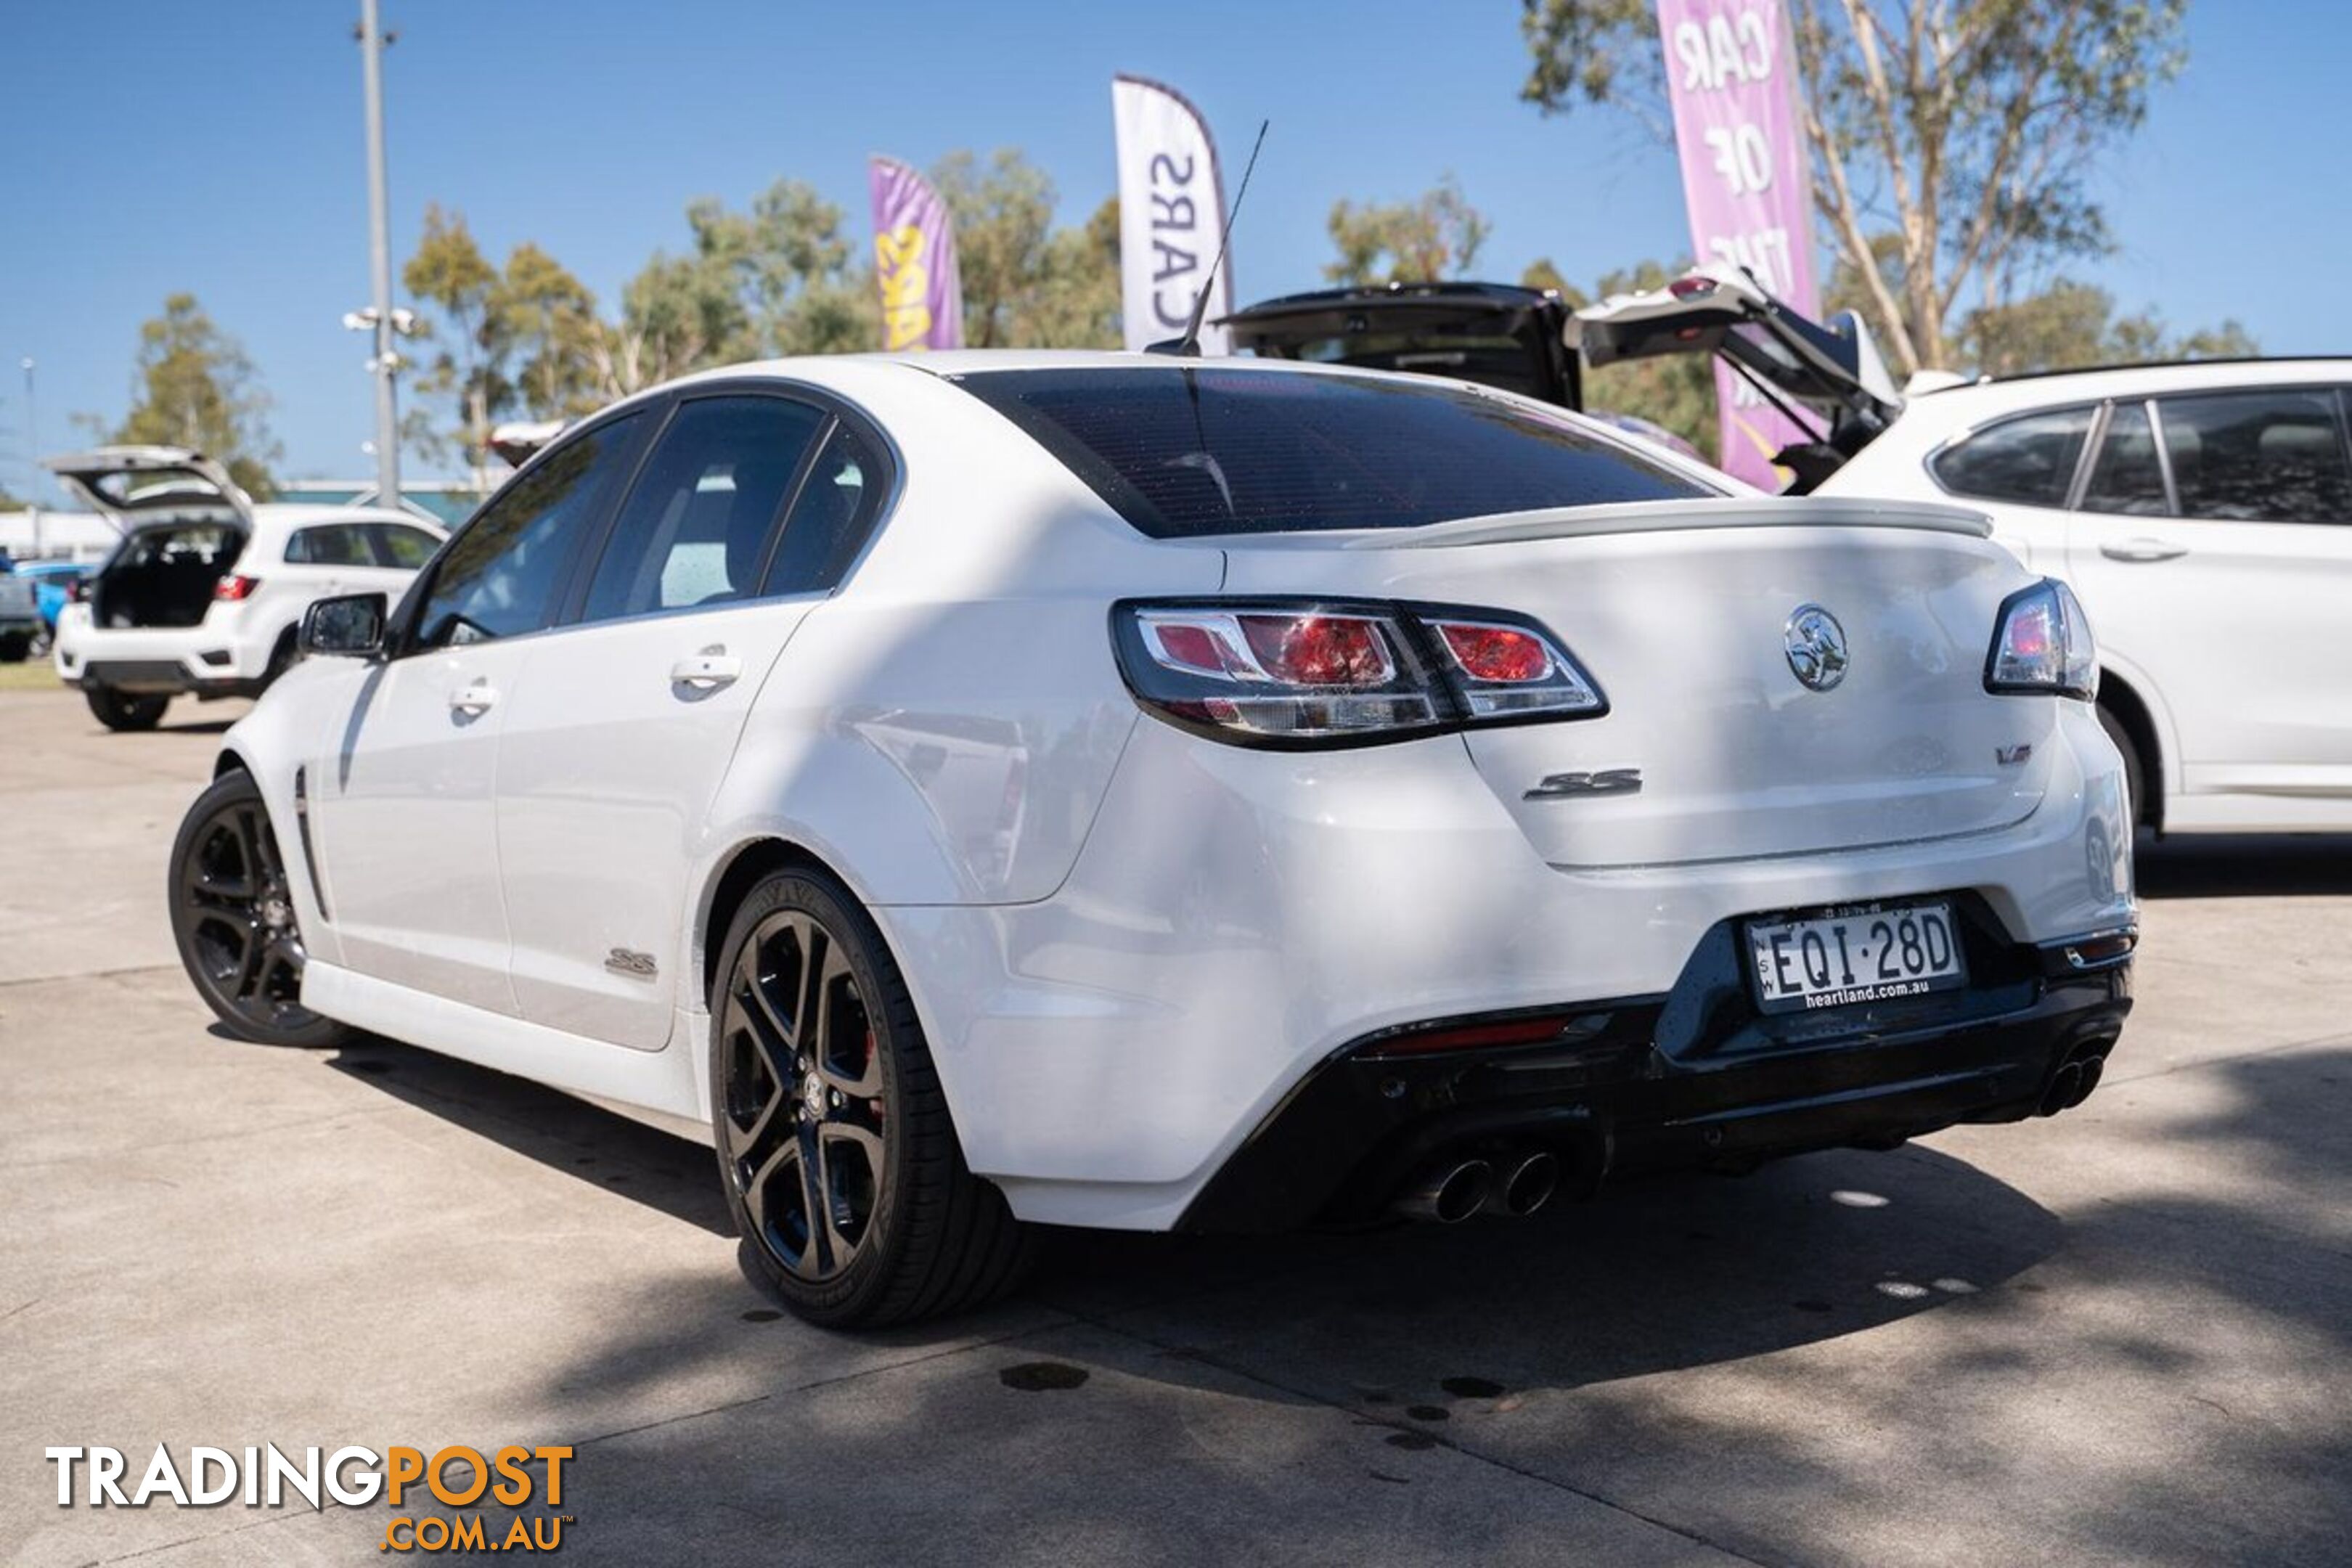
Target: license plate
{"points": [[1869, 955]]}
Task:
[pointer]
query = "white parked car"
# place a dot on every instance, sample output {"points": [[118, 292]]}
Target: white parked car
{"points": [[206, 592], [1134, 792], [2204, 511]]}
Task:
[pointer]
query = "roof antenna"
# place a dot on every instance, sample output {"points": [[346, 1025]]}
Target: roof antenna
{"points": [[1189, 345]]}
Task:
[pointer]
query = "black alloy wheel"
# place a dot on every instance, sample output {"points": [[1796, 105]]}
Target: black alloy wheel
{"points": [[838, 1157], [806, 1113], [233, 917]]}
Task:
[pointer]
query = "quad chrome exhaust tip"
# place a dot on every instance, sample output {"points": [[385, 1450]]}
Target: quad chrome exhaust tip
{"points": [[1448, 1192], [1516, 1183], [2072, 1082], [1530, 1183]]}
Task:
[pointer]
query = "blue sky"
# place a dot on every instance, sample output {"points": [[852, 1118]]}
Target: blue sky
{"points": [[218, 147]]}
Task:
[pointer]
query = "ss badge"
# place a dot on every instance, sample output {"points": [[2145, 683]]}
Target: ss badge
{"points": [[635, 965], [1608, 781]]}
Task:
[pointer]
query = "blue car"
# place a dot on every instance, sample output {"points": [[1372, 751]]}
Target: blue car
{"points": [[54, 584]]}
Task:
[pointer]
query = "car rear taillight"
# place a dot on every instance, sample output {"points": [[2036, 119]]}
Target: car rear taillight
{"points": [[1260, 672], [1691, 288], [2042, 645], [233, 588], [1503, 670]]}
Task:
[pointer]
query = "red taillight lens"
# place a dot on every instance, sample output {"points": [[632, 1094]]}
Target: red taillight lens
{"points": [[231, 589], [1496, 653], [1691, 288], [2041, 642], [1324, 674], [1319, 650]]}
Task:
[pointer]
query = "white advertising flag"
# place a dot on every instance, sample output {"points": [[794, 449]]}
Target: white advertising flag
{"points": [[1172, 216]]}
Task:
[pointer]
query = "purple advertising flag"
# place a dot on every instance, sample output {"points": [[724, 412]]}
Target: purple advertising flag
{"points": [[914, 260], [1732, 79]]}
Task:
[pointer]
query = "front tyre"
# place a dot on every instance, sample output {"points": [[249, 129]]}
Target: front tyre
{"points": [[123, 711], [233, 917], [835, 1149], [15, 646]]}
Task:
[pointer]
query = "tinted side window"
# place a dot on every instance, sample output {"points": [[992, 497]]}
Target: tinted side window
{"points": [[501, 575], [831, 517], [2030, 460], [405, 549], [336, 544], [2259, 457], [695, 527], [2127, 476]]}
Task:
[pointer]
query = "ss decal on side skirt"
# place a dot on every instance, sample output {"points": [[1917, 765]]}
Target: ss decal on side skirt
{"points": [[1608, 781], [626, 960]]}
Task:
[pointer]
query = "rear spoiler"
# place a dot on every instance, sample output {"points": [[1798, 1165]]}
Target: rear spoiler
{"points": [[1635, 517]]}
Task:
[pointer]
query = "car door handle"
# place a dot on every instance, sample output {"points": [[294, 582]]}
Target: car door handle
{"points": [[2143, 550], [707, 670], [474, 701]]}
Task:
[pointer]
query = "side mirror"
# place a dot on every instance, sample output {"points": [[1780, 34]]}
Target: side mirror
{"points": [[350, 626]]}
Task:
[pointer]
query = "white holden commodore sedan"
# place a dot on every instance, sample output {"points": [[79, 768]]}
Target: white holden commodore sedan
{"points": [[979, 790]]}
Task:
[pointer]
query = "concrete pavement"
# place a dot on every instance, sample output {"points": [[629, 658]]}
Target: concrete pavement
{"points": [[2121, 1336]]}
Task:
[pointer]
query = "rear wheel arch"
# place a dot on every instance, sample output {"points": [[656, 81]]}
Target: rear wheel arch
{"points": [[748, 863], [2120, 701]]}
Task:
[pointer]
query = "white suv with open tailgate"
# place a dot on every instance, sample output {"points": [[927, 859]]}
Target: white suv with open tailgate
{"points": [[2202, 510], [206, 592]]}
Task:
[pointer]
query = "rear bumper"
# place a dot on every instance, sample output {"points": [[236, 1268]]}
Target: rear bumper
{"points": [[154, 677], [1693, 1079], [225, 655], [1238, 920]]}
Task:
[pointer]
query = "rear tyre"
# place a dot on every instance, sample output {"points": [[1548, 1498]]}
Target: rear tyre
{"points": [[837, 1152], [232, 919], [123, 711], [15, 646], [2135, 791]]}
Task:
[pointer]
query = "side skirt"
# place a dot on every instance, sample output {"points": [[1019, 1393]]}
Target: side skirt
{"points": [[667, 1083]]}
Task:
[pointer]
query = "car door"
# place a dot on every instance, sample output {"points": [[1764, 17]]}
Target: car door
{"points": [[406, 822], [2212, 547], [626, 719]]}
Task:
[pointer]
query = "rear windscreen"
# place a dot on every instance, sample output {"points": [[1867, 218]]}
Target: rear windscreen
{"points": [[1209, 450]]}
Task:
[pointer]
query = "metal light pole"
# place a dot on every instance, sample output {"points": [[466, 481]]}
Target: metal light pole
{"points": [[386, 363], [33, 452]]}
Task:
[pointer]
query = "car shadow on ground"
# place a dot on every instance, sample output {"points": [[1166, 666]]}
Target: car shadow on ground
{"points": [[672, 1175], [1615, 1345], [1710, 1265], [1673, 1329], [2241, 866]]}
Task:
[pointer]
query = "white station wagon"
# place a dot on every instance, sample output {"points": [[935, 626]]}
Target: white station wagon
{"points": [[972, 790]]}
